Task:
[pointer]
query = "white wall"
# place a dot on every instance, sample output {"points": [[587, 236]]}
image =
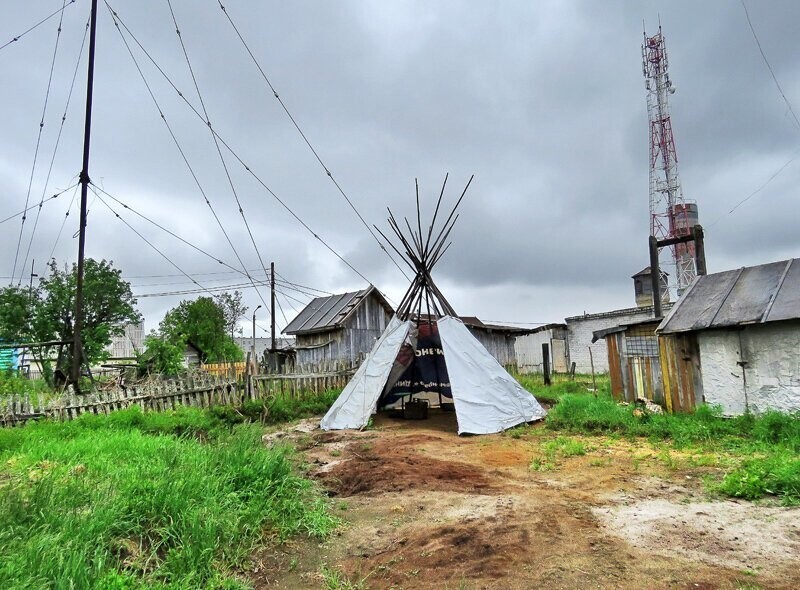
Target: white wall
{"points": [[528, 350], [579, 336], [772, 352]]}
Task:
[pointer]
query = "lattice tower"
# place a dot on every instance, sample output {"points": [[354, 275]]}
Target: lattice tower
{"points": [[670, 215]]}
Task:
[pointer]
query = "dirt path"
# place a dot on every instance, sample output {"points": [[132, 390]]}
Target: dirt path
{"points": [[425, 508]]}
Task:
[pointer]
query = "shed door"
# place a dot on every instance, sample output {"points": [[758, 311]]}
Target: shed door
{"points": [[559, 355]]}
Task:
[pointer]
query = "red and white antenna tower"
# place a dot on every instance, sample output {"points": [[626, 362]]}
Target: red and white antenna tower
{"points": [[670, 215]]}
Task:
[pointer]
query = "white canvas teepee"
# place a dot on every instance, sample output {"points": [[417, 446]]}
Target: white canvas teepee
{"points": [[487, 399]]}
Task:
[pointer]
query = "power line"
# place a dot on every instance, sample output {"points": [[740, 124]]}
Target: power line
{"points": [[41, 22], [63, 223], [769, 67], [216, 142], [171, 233], [306, 140], [230, 149], [57, 143], [149, 243], [38, 140], [115, 18], [24, 211], [791, 111], [304, 286], [280, 307], [289, 303], [759, 189]]}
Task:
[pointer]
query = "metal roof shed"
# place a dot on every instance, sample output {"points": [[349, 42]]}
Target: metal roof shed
{"points": [[337, 330], [745, 326]]}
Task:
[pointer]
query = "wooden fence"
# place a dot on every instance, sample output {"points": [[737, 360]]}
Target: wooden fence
{"points": [[229, 370], [306, 379], [196, 391], [199, 390]]}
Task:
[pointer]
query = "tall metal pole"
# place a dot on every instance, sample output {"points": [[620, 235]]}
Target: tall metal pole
{"points": [[272, 304], [77, 348]]}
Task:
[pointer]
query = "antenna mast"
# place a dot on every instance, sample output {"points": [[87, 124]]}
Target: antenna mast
{"points": [[670, 215], [77, 345]]}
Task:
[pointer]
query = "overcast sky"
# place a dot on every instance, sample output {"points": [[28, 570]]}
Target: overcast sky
{"points": [[543, 101]]}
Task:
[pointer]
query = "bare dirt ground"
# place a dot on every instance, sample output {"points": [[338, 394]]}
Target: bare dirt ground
{"points": [[425, 508]]}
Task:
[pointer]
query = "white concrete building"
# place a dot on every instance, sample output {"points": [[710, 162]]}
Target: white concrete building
{"points": [[745, 326], [580, 332]]}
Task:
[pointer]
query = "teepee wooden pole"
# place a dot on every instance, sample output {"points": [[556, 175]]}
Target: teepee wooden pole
{"points": [[435, 213]]}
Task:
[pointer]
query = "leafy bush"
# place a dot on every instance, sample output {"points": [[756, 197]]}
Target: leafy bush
{"points": [[13, 384]]}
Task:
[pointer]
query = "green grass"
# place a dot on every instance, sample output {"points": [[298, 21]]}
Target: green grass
{"points": [[278, 410], [145, 500], [767, 445], [562, 385]]}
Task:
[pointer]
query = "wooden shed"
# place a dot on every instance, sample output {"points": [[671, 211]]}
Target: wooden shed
{"points": [[338, 330], [634, 364]]}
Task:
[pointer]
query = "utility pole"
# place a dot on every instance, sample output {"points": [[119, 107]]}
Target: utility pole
{"points": [[77, 346], [30, 285], [254, 331], [272, 304]]}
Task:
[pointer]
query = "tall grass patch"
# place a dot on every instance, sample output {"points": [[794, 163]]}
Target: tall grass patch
{"points": [[767, 444], [135, 500]]}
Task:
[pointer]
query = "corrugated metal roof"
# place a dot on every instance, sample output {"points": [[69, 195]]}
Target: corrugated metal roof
{"points": [[324, 313], [749, 295]]}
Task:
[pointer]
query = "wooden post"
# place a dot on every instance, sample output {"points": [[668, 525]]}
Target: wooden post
{"points": [[546, 362], [655, 277], [699, 249], [591, 364], [572, 371], [248, 380]]}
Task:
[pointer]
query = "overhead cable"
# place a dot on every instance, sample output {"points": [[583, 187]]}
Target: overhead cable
{"points": [[216, 141], [38, 140], [149, 243], [24, 211], [769, 67], [41, 22], [115, 17], [55, 148], [63, 222], [314, 151], [231, 150]]}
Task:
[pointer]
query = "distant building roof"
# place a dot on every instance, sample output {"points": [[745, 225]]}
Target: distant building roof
{"points": [[326, 313], [749, 295], [614, 313], [646, 272]]}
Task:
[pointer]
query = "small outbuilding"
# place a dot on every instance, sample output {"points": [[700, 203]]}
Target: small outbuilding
{"points": [[529, 352], [339, 330], [733, 340]]}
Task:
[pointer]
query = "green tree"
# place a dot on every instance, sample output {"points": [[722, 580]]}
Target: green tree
{"points": [[232, 309], [16, 312], [201, 322], [50, 313], [161, 356]]}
